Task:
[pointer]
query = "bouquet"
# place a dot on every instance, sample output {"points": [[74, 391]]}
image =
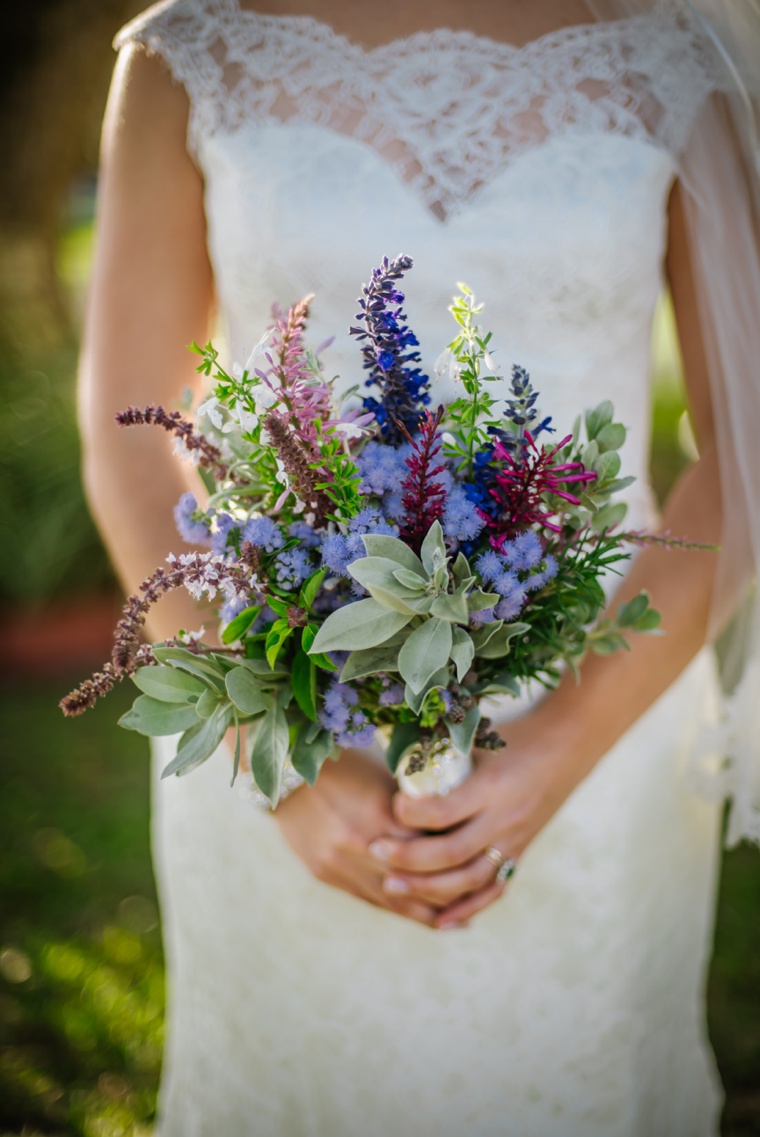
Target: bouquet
{"points": [[381, 565]]}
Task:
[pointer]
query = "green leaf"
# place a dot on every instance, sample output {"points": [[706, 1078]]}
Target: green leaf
{"points": [[236, 758], [608, 465], [369, 662], [261, 668], [269, 752], [153, 718], [207, 703], [376, 574], [481, 636], [319, 659], [462, 733], [240, 625], [309, 754], [479, 601], [414, 700], [589, 455], [304, 681], [307, 636], [208, 672], [611, 436], [606, 645], [411, 580], [462, 651], [244, 687], [362, 624], [167, 684], [404, 734], [461, 568], [199, 743], [498, 645], [451, 607], [178, 655], [381, 545], [433, 551], [649, 622], [598, 418], [629, 613], [276, 637], [425, 651], [310, 588], [279, 606], [609, 516]]}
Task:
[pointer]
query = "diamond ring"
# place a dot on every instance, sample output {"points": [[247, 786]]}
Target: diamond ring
{"points": [[505, 866]]}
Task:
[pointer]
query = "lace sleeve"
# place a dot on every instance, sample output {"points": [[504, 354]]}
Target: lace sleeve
{"points": [[186, 36]]}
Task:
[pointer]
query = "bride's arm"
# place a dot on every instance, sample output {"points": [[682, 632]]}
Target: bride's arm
{"points": [[151, 295], [509, 799]]}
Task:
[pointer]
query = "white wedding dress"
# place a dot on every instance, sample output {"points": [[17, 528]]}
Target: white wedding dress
{"points": [[539, 176]]}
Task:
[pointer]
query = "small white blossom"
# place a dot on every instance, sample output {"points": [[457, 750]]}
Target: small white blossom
{"points": [[264, 397], [350, 430], [259, 352], [447, 365], [211, 407], [491, 364]]}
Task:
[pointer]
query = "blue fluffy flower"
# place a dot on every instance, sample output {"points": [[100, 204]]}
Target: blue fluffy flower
{"points": [[524, 552], [293, 567], [192, 526], [461, 520], [226, 531], [262, 532]]}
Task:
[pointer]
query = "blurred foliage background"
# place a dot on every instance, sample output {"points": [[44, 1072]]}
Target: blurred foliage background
{"points": [[81, 971]]}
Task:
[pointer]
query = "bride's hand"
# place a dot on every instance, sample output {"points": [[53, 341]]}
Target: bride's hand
{"points": [[331, 824], [508, 799]]}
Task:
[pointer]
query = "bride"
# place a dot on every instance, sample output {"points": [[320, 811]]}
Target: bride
{"points": [[351, 964]]}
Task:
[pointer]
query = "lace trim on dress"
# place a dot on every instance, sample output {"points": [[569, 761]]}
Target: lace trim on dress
{"points": [[448, 109]]}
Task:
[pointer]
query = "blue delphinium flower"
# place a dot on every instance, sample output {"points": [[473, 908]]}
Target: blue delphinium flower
{"points": [[401, 387], [523, 552], [264, 533], [461, 519], [292, 567], [193, 525], [225, 534]]}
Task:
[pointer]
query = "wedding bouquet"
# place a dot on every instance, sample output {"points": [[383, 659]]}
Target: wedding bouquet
{"points": [[380, 565]]}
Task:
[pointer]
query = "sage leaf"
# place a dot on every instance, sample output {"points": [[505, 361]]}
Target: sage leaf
{"points": [[369, 662], [433, 551], [154, 718], [414, 700], [207, 704], [362, 624], [629, 613], [198, 744], [450, 607], [480, 601], [498, 644], [462, 651], [611, 436], [426, 650], [409, 579], [245, 690], [609, 516], [167, 684], [383, 545]]}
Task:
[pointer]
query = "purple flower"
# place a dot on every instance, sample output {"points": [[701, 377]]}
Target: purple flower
{"points": [[539, 579], [226, 531], [292, 567], [523, 552], [392, 696], [305, 534], [490, 565], [341, 716], [264, 533], [507, 584], [336, 554], [511, 605], [461, 519], [192, 524], [485, 616]]}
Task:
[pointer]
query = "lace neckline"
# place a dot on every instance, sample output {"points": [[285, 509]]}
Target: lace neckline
{"points": [[432, 37]]}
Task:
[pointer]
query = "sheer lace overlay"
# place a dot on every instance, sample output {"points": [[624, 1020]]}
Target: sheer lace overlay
{"points": [[540, 176], [646, 81]]}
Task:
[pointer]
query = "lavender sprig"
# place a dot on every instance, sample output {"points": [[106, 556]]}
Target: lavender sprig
{"points": [[402, 387]]}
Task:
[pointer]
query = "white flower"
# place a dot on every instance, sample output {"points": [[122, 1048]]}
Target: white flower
{"points": [[258, 355], [491, 364], [350, 429], [447, 364], [264, 397], [281, 475], [212, 408]]}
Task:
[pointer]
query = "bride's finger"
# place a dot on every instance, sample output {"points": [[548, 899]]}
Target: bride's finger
{"points": [[433, 854], [440, 811], [367, 885], [463, 910], [442, 889]]}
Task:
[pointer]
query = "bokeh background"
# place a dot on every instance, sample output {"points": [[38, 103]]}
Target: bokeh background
{"points": [[81, 973]]}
